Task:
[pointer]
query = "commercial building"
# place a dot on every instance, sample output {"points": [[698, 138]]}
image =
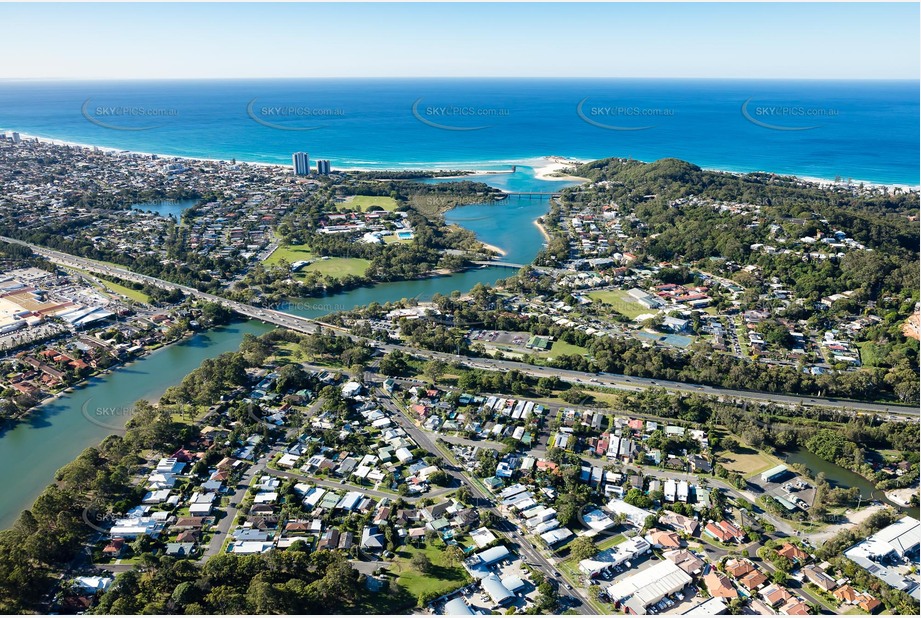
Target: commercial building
{"points": [[774, 473], [496, 590], [650, 586], [892, 544], [556, 536], [478, 564], [647, 300], [615, 556], [597, 520], [457, 607], [902, 538], [713, 606]]}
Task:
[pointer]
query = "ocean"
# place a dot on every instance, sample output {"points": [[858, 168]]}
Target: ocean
{"points": [[861, 130]]}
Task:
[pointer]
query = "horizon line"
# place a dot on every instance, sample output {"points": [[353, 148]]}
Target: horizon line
{"points": [[459, 77]]}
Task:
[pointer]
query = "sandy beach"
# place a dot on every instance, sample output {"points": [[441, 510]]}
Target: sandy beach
{"points": [[545, 168], [542, 229], [498, 250], [552, 169]]}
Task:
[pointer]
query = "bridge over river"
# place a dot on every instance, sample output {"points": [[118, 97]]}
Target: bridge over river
{"points": [[307, 325]]}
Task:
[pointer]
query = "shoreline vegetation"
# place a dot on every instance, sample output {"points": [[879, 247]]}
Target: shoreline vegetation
{"points": [[550, 170]]}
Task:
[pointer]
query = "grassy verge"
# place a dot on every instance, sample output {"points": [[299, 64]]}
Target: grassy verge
{"points": [[115, 288], [869, 356]]}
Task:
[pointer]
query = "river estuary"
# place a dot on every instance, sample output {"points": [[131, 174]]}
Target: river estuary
{"points": [[57, 432]]}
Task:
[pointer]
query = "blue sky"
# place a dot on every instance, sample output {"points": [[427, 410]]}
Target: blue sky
{"points": [[106, 41]]}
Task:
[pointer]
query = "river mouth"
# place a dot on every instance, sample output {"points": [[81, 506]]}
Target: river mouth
{"points": [[507, 224]]}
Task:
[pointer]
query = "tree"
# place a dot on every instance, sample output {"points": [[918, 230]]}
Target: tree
{"points": [[463, 494], [421, 563], [440, 478], [582, 548], [454, 555], [226, 600], [394, 364], [434, 369], [779, 577], [637, 498], [729, 443]]}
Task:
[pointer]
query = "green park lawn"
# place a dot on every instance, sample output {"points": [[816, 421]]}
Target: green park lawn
{"points": [[746, 461], [336, 267], [621, 302], [442, 578], [365, 202], [561, 348]]}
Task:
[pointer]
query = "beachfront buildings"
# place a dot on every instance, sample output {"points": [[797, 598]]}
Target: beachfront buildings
{"points": [[301, 163]]}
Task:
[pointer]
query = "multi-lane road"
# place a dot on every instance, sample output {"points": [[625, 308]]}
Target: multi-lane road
{"points": [[616, 381]]}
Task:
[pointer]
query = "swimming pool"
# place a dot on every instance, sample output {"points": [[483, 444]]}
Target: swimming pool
{"points": [[675, 340]]}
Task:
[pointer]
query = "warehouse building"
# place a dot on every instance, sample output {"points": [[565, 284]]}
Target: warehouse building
{"points": [[496, 590], [648, 587], [457, 607], [774, 473], [478, 564]]}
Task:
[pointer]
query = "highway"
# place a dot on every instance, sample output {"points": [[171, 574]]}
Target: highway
{"points": [[616, 381]]}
